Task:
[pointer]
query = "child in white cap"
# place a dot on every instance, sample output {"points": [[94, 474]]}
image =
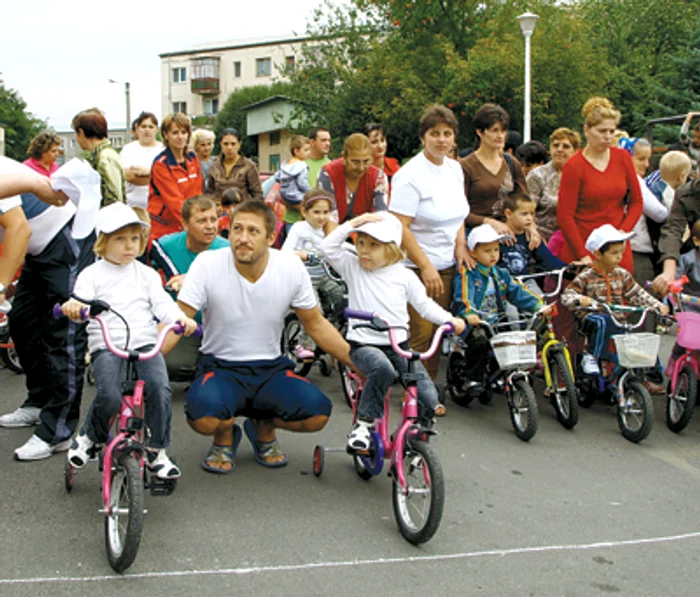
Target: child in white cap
{"points": [[481, 294], [604, 281], [378, 282], [135, 291]]}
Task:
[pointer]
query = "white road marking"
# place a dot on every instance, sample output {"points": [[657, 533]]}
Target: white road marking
{"points": [[348, 563]]}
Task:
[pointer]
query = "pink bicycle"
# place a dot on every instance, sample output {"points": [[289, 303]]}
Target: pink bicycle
{"points": [[418, 488], [122, 464], [682, 388]]}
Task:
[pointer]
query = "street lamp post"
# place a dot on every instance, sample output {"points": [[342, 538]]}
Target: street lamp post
{"points": [[127, 92], [527, 25]]}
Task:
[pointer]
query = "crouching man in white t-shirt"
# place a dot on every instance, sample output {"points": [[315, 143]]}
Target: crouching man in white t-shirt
{"points": [[244, 295]]}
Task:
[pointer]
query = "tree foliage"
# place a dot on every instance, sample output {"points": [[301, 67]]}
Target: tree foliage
{"points": [[20, 126]]}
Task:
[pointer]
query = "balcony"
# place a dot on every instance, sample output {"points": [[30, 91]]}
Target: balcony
{"points": [[205, 75]]}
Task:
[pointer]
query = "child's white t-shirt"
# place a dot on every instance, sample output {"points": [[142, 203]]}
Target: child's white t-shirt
{"points": [[304, 237], [244, 321], [135, 291], [434, 197], [386, 291]]}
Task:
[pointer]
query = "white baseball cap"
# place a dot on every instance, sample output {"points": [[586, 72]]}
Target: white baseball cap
{"points": [[116, 216], [386, 230], [484, 234], [605, 234]]}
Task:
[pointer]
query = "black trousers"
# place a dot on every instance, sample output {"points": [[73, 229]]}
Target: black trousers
{"points": [[52, 351]]}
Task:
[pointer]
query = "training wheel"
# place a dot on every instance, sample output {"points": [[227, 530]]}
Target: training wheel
{"points": [[319, 460], [68, 472]]}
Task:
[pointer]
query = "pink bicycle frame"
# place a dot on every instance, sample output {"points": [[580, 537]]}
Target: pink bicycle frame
{"points": [[132, 406], [393, 444]]}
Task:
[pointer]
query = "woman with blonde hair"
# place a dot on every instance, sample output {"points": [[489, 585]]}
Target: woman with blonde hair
{"points": [[203, 144], [599, 185]]}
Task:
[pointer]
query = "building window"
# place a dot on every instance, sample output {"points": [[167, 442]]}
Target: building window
{"points": [[180, 107], [275, 138], [236, 70], [263, 67], [179, 74], [72, 143], [274, 162], [116, 142], [211, 106], [290, 63], [204, 68]]}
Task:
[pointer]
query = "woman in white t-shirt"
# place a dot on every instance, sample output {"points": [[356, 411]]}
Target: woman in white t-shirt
{"points": [[137, 158], [428, 197]]}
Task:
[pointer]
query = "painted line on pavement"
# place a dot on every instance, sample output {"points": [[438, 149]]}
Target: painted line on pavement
{"points": [[349, 563]]}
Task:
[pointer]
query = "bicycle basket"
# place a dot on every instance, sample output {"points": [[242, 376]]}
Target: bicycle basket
{"points": [[515, 350], [637, 350], [688, 330]]}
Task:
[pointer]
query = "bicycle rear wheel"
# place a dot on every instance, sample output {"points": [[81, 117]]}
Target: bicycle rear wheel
{"points": [[124, 524], [564, 394], [348, 384], [418, 510]]}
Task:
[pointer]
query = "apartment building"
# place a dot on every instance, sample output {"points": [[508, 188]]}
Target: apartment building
{"points": [[197, 81], [71, 149]]}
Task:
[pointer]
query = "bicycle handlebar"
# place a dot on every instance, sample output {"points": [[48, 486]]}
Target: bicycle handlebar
{"points": [[176, 327], [378, 324], [611, 309], [559, 273]]}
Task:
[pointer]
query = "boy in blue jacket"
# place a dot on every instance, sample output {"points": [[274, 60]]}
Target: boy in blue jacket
{"points": [[480, 295]]}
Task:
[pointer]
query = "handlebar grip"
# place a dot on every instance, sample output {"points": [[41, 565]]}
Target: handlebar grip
{"points": [[179, 329], [449, 327], [57, 312], [357, 314]]}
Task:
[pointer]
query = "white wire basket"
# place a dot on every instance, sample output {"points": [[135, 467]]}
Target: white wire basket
{"points": [[637, 350], [515, 350]]}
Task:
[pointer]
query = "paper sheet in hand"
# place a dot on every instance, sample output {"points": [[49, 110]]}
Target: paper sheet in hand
{"points": [[82, 186]]}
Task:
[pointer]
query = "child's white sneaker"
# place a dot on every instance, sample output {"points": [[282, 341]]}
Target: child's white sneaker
{"points": [[359, 438], [80, 450], [589, 364], [160, 464]]}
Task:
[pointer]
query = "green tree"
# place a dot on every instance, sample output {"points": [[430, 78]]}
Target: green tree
{"points": [[233, 115], [20, 126]]}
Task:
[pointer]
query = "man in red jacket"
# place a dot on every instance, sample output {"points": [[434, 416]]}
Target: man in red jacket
{"points": [[356, 185]]}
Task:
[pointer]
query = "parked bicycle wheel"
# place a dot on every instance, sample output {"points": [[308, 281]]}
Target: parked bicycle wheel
{"points": [[524, 413], [456, 382], [564, 395], [418, 510], [292, 336], [11, 360], [680, 405], [124, 523], [636, 415]]}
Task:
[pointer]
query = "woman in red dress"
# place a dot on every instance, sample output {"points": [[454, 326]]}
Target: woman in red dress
{"points": [[599, 185]]}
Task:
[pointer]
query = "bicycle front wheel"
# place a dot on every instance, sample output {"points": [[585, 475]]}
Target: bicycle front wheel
{"points": [[635, 416], [563, 390], [124, 524], [524, 413], [681, 402], [418, 509]]}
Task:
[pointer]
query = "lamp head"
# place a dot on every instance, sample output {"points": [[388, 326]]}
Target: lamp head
{"points": [[527, 23]]}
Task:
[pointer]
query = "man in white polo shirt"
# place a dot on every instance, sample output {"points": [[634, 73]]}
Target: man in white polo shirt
{"points": [[244, 295]]}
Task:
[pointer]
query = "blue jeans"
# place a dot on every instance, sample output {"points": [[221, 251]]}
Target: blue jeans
{"points": [[599, 327], [110, 374], [381, 365]]}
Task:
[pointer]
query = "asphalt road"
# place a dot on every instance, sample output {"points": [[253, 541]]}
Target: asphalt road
{"points": [[572, 513]]}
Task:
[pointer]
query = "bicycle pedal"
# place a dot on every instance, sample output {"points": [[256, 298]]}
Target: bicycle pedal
{"points": [[365, 453], [162, 486]]}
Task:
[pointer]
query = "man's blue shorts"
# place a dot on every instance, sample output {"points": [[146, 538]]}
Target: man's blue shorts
{"points": [[256, 389]]}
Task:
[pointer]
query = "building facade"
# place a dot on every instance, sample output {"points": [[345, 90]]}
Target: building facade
{"points": [[71, 149], [199, 80]]}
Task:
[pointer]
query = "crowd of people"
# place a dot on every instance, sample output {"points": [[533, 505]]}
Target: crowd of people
{"points": [[439, 238]]}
